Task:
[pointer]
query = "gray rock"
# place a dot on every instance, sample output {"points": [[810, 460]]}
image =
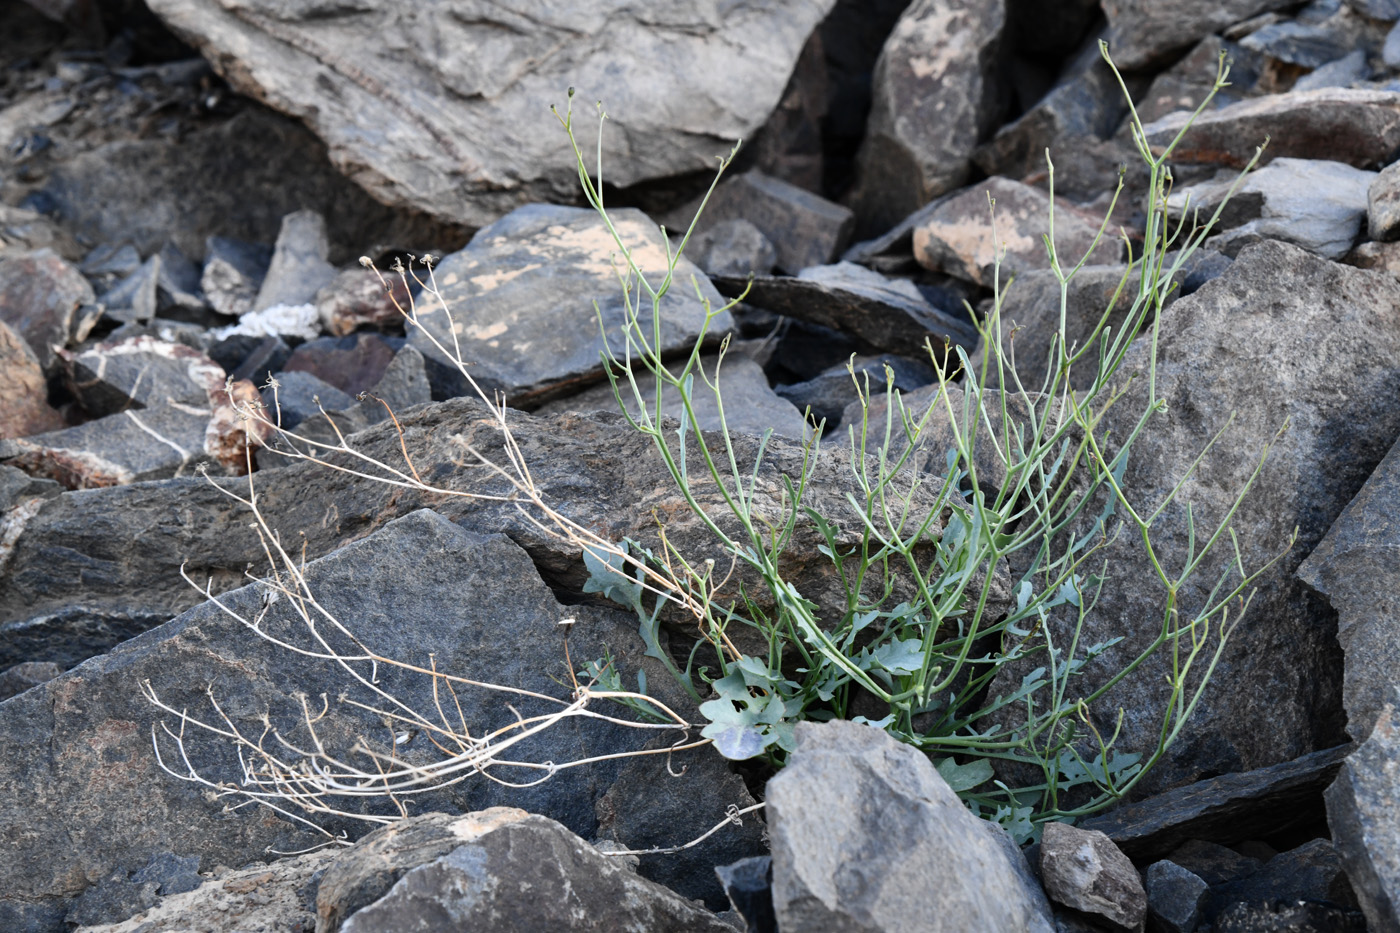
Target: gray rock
{"points": [[1175, 898], [23, 230], [866, 835], [264, 356], [1355, 567], [421, 584], [1390, 50], [24, 407], [179, 291], [357, 298], [278, 896], [39, 294], [1309, 44], [830, 393], [1225, 809], [403, 385], [440, 109], [936, 94], [1186, 83], [750, 404], [962, 236], [806, 229], [109, 262], [732, 247], [233, 272], [298, 268], [1083, 869], [1311, 872], [18, 678], [141, 372], [1214, 863], [1290, 918], [298, 396], [352, 364], [1356, 126], [69, 636], [883, 315], [1384, 10], [1247, 342], [1363, 814], [1146, 32], [521, 298], [136, 298], [1315, 204], [1383, 205], [748, 883], [1346, 71], [519, 871]]}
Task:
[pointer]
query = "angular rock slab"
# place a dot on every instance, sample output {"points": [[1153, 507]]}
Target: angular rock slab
{"points": [[39, 295], [1227, 809], [882, 314], [141, 372], [1357, 567], [514, 870], [519, 302], [1314, 203], [867, 836], [936, 94], [440, 108], [1364, 815], [964, 235], [1282, 336], [1084, 870], [1145, 32], [1383, 205], [24, 407], [1175, 897], [88, 801], [1360, 127]]}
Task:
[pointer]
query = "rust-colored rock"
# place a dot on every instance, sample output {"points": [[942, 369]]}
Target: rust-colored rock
{"points": [[23, 409]]}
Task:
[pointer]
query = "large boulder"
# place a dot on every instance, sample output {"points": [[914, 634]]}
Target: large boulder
{"points": [[440, 108], [1281, 339], [1357, 567], [937, 94], [867, 836], [89, 806], [1364, 817]]}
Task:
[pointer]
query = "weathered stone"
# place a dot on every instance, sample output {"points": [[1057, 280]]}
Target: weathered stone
{"points": [[136, 297], [299, 395], [1146, 32], [440, 109], [964, 235], [233, 273], [881, 314], [23, 230], [1378, 257], [748, 883], [179, 293], [1248, 343], [1357, 126], [519, 871], [1084, 870], [519, 301], [420, 585], [1345, 72], [805, 228], [1357, 567], [39, 294], [247, 357], [18, 678], [24, 407], [1383, 205], [1175, 898], [274, 897], [866, 835], [1225, 809], [403, 385], [298, 268], [1085, 104], [1364, 816], [69, 636], [732, 247], [1186, 83], [351, 364], [1390, 50], [1315, 204], [1290, 918], [829, 394], [1311, 872], [640, 813], [1214, 863], [357, 298], [107, 263], [937, 94], [1384, 10], [1309, 44], [750, 405], [141, 372]]}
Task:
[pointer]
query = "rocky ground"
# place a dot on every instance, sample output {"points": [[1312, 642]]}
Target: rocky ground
{"points": [[187, 188]]}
